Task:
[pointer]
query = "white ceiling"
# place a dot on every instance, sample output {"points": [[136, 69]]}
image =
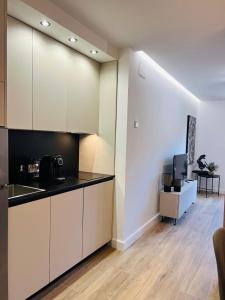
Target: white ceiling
{"points": [[62, 30], [186, 37]]}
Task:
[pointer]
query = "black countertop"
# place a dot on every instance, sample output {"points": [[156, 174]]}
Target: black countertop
{"points": [[81, 180]]}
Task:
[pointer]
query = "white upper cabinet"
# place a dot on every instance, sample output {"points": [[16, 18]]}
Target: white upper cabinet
{"points": [[3, 9], [49, 84], [83, 93], [3, 6], [19, 73]]}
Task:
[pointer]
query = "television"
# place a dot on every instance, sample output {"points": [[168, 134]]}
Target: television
{"points": [[180, 167]]}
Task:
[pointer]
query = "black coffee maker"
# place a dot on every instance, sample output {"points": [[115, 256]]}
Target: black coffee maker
{"points": [[50, 169]]}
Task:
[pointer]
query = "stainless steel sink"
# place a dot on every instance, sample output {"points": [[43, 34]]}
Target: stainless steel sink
{"points": [[16, 190]]}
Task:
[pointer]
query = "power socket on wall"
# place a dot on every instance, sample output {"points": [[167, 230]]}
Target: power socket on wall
{"points": [[136, 124]]}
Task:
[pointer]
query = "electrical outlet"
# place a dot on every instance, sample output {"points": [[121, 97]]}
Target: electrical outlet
{"points": [[136, 124]]}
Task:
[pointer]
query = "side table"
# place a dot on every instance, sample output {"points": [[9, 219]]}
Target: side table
{"points": [[207, 176]]}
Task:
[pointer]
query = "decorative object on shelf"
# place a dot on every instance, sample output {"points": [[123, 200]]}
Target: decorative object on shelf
{"points": [[167, 182], [177, 185], [190, 140], [201, 164], [211, 167]]}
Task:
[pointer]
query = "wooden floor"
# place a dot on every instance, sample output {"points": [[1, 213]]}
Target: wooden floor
{"points": [[168, 262]]}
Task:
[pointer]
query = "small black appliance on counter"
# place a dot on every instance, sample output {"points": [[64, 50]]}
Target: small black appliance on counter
{"points": [[50, 169]]}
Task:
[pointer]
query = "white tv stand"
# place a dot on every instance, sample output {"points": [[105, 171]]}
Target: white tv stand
{"points": [[174, 204]]}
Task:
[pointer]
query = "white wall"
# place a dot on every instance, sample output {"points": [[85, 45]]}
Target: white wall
{"points": [[161, 107], [121, 148], [210, 139]]}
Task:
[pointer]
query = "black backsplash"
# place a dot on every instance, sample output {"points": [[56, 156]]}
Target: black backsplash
{"points": [[27, 145]]}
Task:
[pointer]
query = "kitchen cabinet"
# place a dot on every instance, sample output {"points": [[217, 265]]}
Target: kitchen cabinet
{"points": [[49, 236], [97, 219], [29, 234], [19, 75], [2, 103], [3, 8], [83, 93], [49, 84], [66, 232]]}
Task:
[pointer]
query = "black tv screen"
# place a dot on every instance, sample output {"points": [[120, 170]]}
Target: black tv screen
{"points": [[180, 166]]}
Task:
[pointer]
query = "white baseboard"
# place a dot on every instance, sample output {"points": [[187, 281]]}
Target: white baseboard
{"points": [[123, 245]]}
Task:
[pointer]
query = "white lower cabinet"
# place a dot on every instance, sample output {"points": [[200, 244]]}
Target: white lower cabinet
{"points": [[66, 232], [97, 219], [49, 236], [29, 232]]}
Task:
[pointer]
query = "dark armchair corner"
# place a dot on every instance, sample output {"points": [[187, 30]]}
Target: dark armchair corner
{"points": [[219, 247]]}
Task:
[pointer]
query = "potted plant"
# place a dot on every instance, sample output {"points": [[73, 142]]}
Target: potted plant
{"points": [[211, 167], [167, 181]]}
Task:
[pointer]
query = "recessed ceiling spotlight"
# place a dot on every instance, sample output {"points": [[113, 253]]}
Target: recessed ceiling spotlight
{"points": [[72, 39], [94, 51], [45, 23]]}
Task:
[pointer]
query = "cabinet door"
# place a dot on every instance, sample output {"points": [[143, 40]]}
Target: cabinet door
{"points": [[2, 39], [66, 232], [2, 103], [83, 94], [97, 221], [29, 232], [19, 75], [3, 7], [49, 84]]}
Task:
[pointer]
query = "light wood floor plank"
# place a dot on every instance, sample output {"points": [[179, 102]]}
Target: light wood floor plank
{"points": [[167, 263]]}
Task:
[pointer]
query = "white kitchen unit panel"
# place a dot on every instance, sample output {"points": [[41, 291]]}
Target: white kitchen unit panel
{"points": [[49, 83], [2, 103], [19, 75], [66, 232], [83, 93], [98, 213], [3, 9], [29, 234]]}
